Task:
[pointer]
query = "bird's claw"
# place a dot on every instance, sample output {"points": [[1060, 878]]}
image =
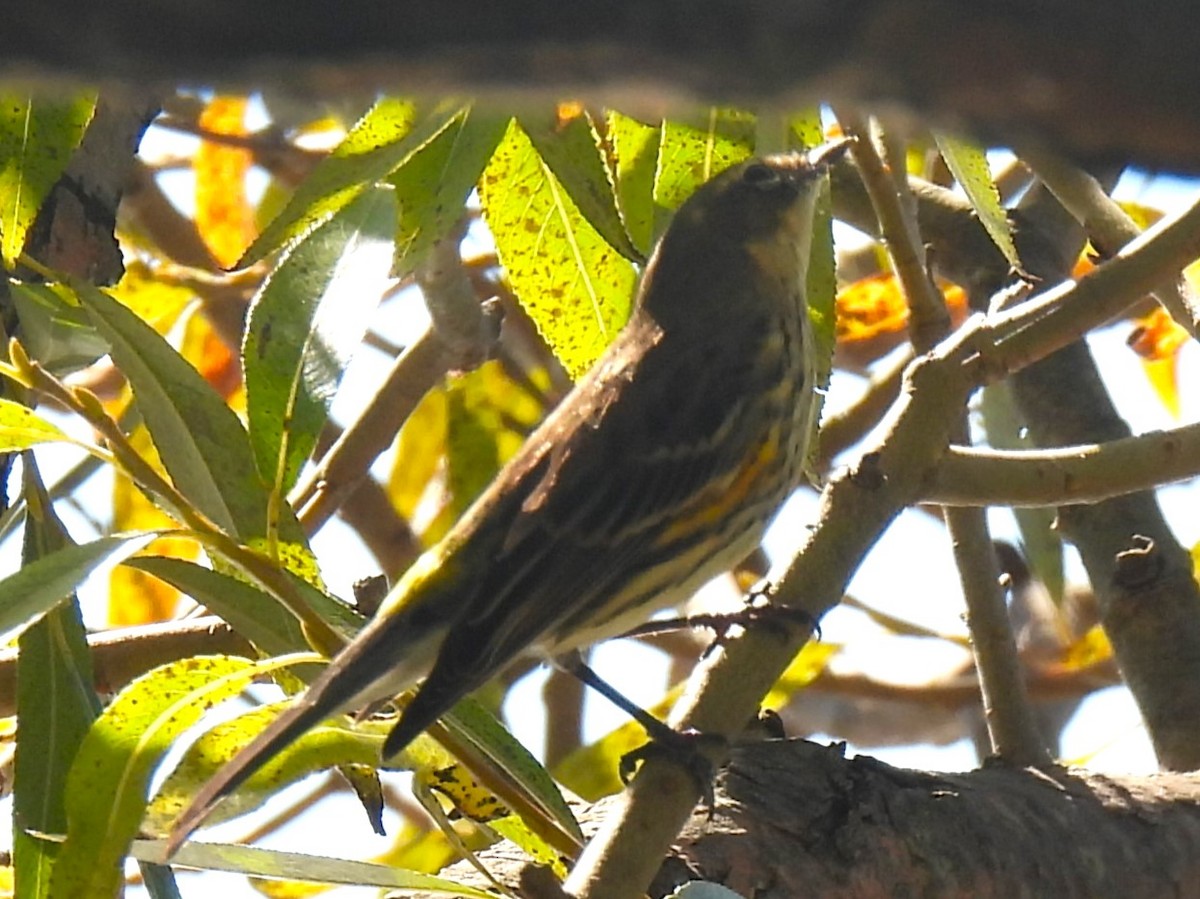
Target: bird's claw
{"points": [[692, 750]]}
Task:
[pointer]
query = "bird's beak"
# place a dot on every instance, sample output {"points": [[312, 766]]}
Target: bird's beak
{"points": [[826, 154]]}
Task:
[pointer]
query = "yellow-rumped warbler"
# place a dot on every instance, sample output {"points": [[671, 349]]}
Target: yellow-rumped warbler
{"points": [[657, 472]]}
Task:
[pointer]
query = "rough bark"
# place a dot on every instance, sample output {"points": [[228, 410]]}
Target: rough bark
{"points": [[1099, 80], [795, 819]]}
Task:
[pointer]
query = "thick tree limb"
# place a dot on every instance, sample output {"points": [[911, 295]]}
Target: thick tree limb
{"points": [[1097, 80], [797, 819]]}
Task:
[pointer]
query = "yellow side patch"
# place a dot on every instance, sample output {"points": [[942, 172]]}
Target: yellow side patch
{"points": [[729, 498]]}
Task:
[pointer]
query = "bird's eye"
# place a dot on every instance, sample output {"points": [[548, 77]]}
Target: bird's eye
{"points": [[760, 175]]}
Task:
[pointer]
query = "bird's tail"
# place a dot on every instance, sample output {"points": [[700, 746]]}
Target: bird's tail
{"points": [[293, 722], [390, 655]]}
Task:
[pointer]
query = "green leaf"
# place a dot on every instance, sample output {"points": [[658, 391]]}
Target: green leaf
{"points": [[37, 138], [255, 615], [304, 324], [108, 783], [268, 863], [21, 428], [376, 146], [324, 746], [202, 443], [432, 186], [337, 614], [472, 449], [540, 853], [805, 130], [572, 149], [577, 289], [55, 703], [54, 329], [470, 721], [691, 153], [42, 584], [968, 163], [634, 151]]}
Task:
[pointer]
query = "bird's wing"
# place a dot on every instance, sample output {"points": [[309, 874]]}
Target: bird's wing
{"points": [[600, 483]]}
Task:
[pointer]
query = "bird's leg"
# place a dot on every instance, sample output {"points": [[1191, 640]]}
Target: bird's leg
{"points": [[685, 746], [682, 746], [572, 663]]}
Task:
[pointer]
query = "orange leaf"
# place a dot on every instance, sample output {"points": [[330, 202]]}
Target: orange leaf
{"points": [[869, 308], [1085, 264], [872, 317], [1157, 339], [223, 214], [1143, 217], [203, 347], [567, 111], [1157, 336]]}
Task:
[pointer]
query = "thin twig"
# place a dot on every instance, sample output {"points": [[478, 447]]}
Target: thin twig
{"points": [[1107, 224], [1010, 719], [1035, 329], [1012, 726], [928, 318], [349, 460]]}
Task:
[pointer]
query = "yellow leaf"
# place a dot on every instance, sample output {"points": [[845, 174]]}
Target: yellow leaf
{"points": [[154, 301], [1163, 377], [1090, 649], [805, 668], [420, 449], [593, 771], [223, 214], [1143, 216], [463, 432], [469, 798]]}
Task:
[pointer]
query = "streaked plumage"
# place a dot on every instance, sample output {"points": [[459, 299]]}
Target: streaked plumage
{"points": [[657, 472]]}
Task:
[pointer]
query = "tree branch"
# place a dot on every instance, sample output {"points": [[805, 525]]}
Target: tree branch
{"points": [[1067, 312], [1107, 224], [970, 476], [796, 819], [855, 508], [1059, 77], [120, 655]]}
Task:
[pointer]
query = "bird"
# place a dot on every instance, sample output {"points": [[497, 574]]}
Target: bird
{"points": [[658, 471]]}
